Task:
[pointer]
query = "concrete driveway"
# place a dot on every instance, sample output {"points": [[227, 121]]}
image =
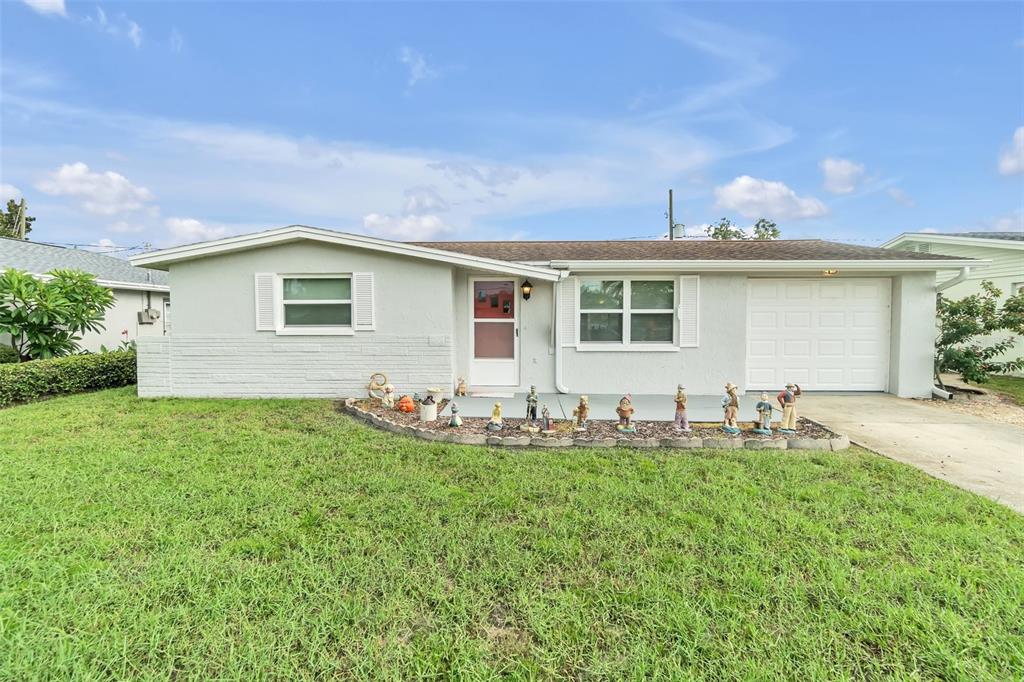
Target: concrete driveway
{"points": [[978, 455]]}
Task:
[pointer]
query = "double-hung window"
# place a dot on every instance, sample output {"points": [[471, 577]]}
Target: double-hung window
{"points": [[627, 311], [316, 302]]}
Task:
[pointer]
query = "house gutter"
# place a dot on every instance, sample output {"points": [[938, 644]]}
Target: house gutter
{"points": [[964, 272]]}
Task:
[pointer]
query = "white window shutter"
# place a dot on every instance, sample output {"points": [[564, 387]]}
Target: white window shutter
{"points": [[567, 301], [689, 311], [265, 301], [362, 301]]}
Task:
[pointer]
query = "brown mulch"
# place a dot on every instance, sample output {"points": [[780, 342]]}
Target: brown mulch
{"points": [[596, 428]]}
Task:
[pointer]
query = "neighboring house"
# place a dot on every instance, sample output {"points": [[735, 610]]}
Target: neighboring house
{"points": [[141, 295], [1005, 250], [302, 311]]}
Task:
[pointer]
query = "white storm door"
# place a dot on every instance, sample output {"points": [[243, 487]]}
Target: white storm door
{"points": [[823, 334], [493, 333]]}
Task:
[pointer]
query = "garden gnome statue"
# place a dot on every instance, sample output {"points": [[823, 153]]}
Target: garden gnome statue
{"points": [[531, 405], [389, 396], [456, 421], [682, 423], [460, 387], [625, 411], [731, 405], [764, 416], [787, 399], [495, 423], [547, 424], [582, 413]]}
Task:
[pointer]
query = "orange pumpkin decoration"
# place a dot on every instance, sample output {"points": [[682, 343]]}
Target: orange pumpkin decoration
{"points": [[405, 404]]}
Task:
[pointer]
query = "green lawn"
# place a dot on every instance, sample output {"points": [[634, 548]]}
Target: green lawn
{"points": [[1011, 386], [278, 539]]}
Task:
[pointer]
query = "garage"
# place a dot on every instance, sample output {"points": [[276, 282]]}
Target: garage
{"points": [[823, 334]]}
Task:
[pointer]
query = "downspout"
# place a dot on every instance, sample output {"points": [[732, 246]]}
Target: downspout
{"points": [[559, 386], [964, 272]]}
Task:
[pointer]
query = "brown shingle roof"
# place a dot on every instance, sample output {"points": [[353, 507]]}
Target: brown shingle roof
{"points": [[680, 249]]}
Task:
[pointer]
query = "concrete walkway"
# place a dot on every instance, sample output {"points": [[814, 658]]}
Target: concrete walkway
{"points": [[976, 454]]}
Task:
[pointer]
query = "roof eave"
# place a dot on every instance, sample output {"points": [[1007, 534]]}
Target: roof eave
{"points": [[769, 265], [934, 238], [165, 257]]}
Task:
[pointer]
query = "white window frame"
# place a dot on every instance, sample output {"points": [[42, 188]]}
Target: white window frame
{"points": [[326, 330], [1016, 287], [627, 312]]}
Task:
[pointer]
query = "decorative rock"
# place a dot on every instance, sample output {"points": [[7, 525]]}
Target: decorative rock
{"points": [[494, 440], [682, 442], [765, 444], [597, 442], [550, 442], [468, 438], [516, 441], [639, 442], [839, 443], [723, 443], [809, 444]]}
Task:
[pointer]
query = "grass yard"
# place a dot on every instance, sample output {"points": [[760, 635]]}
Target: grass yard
{"points": [[278, 539], [1007, 385]]}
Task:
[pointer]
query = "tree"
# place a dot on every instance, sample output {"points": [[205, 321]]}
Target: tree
{"points": [[764, 229], [9, 221], [959, 349], [46, 317]]}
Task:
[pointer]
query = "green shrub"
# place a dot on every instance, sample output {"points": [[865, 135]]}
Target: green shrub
{"points": [[8, 354], [37, 379]]}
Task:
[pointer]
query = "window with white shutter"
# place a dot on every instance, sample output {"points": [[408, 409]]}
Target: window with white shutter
{"points": [[688, 311], [567, 305], [316, 304], [362, 300], [265, 302]]}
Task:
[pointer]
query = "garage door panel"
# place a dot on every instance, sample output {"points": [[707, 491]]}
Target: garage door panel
{"points": [[823, 334]]}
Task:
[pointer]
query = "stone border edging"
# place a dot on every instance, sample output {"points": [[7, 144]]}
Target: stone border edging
{"points": [[839, 442]]}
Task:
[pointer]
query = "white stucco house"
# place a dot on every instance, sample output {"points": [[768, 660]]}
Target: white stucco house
{"points": [[141, 295], [303, 311], [1004, 250]]}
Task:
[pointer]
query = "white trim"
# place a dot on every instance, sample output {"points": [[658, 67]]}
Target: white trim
{"points": [[515, 331], [297, 232], [311, 330], [598, 347], [627, 313], [780, 266], [933, 238]]}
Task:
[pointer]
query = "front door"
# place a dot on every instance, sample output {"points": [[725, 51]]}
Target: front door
{"points": [[494, 333]]}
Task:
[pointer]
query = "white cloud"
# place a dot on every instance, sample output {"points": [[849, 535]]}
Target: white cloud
{"points": [[1011, 161], [422, 200], [119, 27], [48, 6], [187, 230], [124, 226], [416, 63], [106, 193], [406, 228], [901, 197], [9, 192], [755, 198], [841, 175], [176, 41]]}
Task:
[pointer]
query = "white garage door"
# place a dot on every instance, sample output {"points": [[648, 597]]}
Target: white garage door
{"points": [[823, 334]]}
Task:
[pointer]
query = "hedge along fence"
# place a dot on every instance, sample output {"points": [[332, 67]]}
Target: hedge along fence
{"points": [[26, 381]]}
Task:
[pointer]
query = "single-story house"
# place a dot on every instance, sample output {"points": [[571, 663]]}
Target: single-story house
{"points": [[142, 296], [304, 311], [1004, 250]]}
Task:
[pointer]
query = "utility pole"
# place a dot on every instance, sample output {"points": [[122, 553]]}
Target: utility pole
{"points": [[672, 225]]}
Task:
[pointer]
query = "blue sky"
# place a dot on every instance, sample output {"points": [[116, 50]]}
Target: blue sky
{"points": [[165, 123]]}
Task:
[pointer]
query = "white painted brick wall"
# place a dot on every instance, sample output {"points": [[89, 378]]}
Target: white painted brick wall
{"points": [[229, 366]]}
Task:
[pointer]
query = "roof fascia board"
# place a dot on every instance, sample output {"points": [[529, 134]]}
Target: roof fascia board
{"points": [[114, 284], [287, 234], [767, 265], [952, 239]]}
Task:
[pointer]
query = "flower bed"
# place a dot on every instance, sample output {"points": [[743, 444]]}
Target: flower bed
{"points": [[599, 433]]}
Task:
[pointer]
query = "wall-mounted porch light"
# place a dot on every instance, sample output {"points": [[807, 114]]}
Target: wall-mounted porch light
{"points": [[527, 288]]}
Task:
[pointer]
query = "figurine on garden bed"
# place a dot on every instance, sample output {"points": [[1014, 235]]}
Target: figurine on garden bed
{"points": [[460, 388], [531, 405], [455, 421], [682, 424], [787, 399], [731, 406], [389, 396], [764, 416], [625, 411], [495, 422], [581, 413]]}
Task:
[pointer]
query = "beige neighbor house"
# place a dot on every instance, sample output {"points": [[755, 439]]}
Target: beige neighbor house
{"points": [[141, 295], [1004, 250], [304, 311]]}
